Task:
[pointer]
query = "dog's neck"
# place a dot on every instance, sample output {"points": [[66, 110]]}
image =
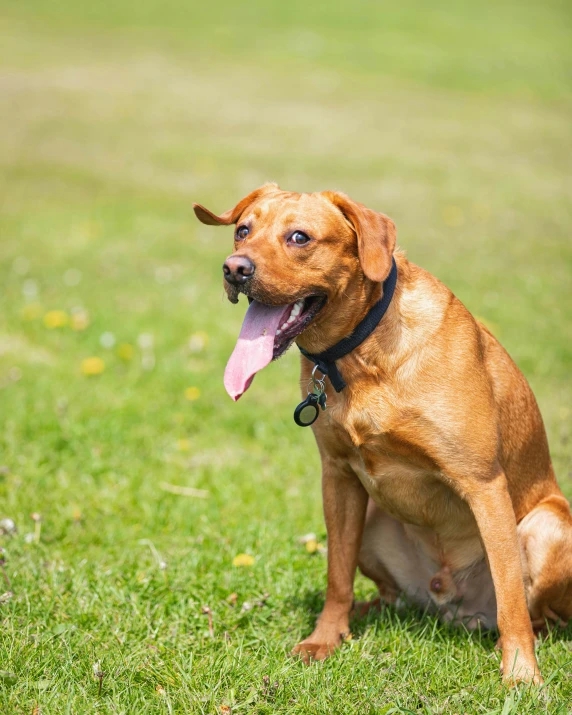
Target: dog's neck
{"points": [[341, 315]]}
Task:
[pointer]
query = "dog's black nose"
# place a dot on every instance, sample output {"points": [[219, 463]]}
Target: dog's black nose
{"points": [[238, 269]]}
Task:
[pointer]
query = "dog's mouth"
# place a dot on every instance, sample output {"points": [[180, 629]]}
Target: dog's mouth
{"points": [[266, 333], [300, 315]]}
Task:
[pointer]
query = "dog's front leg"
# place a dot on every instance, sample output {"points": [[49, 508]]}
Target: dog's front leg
{"points": [[492, 507], [345, 501]]}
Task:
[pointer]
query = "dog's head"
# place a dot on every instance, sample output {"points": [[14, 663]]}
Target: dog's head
{"points": [[295, 256]]}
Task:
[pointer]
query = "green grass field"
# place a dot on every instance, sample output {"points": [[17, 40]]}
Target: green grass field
{"points": [[114, 117]]}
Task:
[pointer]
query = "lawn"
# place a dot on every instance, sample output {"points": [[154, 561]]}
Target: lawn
{"points": [[131, 477]]}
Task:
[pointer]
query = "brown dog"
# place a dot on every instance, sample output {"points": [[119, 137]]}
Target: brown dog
{"points": [[436, 474]]}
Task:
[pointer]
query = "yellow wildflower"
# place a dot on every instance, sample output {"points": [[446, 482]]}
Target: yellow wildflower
{"points": [[125, 352], [79, 319], [453, 216], [183, 445], [243, 560], [56, 319], [311, 546], [192, 393], [92, 366], [32, 311]]}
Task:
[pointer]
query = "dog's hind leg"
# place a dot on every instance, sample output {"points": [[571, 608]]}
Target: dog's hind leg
{"points": [[546, 544]]}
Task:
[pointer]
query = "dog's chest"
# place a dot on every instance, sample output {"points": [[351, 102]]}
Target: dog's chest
{"points": [[384, 450], [409, 493]]}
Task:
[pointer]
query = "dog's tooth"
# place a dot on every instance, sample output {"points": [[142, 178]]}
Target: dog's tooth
{"points": [[278, 331], [284, 326], [291, 319], [296, 309]]}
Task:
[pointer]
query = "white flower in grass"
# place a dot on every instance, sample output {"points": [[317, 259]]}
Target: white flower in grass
{"points": [[72, 277], [145, 341], [107, 340], [14, 374], [30, 288], [21, 265], [163, 274], [8, 527], [198, 342]]}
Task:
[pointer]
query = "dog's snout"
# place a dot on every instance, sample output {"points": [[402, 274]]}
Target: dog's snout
{"points": [[238, 269]]}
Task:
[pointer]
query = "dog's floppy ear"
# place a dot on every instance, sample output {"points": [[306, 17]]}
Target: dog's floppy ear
{"points": [[375, 233], [232, 215]]}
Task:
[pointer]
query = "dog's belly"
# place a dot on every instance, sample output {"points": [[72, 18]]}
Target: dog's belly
{"points": [[399, 551], [425, 536], [435, 518]]}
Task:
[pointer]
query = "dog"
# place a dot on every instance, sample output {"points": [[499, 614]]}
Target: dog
{"points": [[436, 475]]}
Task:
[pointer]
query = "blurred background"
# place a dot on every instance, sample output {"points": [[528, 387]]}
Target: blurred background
{"points": [[452, 118]]}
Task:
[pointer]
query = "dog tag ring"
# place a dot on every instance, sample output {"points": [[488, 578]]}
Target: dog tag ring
{"points": [[307, 411]]}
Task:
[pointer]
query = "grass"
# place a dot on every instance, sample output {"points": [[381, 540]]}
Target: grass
{"points": [[114, 118]]}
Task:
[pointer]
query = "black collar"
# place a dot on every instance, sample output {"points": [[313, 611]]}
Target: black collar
{"points": [[326, 361]]}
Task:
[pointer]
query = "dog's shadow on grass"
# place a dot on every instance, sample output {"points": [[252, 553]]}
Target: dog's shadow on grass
{"points": [[418, 622]]}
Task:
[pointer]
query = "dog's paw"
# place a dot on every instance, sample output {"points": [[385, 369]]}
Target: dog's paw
{"points": [[319, 645], [517, 669], [309, 651]]}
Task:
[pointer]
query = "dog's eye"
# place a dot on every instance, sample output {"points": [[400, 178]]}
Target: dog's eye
{"points": [[299, 238], [241, 233]]}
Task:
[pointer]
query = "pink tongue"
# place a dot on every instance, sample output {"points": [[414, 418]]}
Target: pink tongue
{"points": [[254, 347]]}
